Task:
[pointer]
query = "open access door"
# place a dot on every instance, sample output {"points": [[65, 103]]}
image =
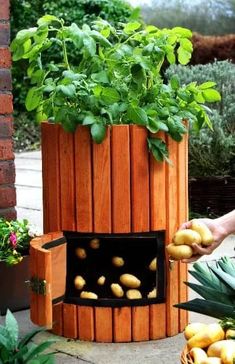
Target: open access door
{"points": [[47, 276]]}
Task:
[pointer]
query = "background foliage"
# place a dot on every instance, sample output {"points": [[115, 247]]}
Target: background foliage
{"points": [[199, 16], [212, 153]]}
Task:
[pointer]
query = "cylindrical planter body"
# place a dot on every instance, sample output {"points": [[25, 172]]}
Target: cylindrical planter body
{"points": [[13, 287], [118, 187]]}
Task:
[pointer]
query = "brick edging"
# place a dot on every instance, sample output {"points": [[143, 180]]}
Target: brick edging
{"points": [[7, 166]]}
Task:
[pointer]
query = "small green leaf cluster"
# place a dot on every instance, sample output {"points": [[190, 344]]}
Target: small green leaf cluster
{"points": [[17, 351], [116, 78]]}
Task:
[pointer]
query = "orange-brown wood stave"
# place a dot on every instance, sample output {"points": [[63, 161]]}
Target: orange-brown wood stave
{"points": [[140, 323], [122, 324], [103, 324], [121, 194], [51, 177], [67, 181], [44, 301], [70, 321], [57, 317], [157, 191], [33, 273], [172, 289], [102, 186], [86, 323], [183, 216], [83, 179], [139, 179], [157, 321]]}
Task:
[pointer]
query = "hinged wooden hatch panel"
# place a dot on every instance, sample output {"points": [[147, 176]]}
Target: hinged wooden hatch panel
{"points": [[47, 276]]}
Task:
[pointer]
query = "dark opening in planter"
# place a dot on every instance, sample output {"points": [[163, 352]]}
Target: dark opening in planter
{"points": [[14, 291]]}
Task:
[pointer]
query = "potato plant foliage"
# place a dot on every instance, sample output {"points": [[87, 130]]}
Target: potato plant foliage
{"points": [[116, 78]]}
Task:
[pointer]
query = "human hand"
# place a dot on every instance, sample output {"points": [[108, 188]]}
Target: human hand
{"points": [[218, 233]]}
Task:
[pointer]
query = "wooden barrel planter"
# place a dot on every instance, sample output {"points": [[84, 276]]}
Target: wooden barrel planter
{"points": [[113, 187]]}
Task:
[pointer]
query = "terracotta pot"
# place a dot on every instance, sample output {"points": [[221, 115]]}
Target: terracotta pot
{"points": [[14, 290]]}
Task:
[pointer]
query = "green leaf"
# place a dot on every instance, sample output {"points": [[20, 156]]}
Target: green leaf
{"points": [[206, 85], [33, 98], [158, 148], [25, 34], [100, 38], [137, 115], [171, 57], [67, 90], [184, 32], [34, 352], [47, 19], [26, 339], [89, 45], [131, 27], [209, 308], [12, 328], [68, 118], [211, 95], [101, 77], [109, 95], [174, 82], [183, 55], [186, 44], [89, 119], [98, 132], [211, 294]]}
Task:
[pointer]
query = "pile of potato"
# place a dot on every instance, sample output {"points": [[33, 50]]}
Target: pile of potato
{"points": [[181, 246], [210, 344], [128, 284]]}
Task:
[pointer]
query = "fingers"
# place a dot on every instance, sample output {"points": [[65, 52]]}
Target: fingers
{"points": [[186, 225], [200, 250]]}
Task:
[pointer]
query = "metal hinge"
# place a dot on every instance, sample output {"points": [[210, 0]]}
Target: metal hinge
{"points": [[38, 286]]}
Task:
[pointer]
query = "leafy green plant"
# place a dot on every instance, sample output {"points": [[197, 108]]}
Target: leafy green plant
{"points": [[21, 351], [211, 153], [115, 80], [15, 237], [217, 287]]}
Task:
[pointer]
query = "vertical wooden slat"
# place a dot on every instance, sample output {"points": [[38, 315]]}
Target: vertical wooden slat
{"points": [[83, 179], [139, 179], [44, 301], [171, 227], [183, 216], [70, 320], [102, 186], [122, 324], [51, 177], [140, 323], [86, 328], [157, 192], [57, 316], [33, 273], [121, 198], [103, 324], [67, 194], [157, 323]]}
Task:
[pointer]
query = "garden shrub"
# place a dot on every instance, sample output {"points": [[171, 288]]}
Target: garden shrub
{"points": [[212, 152], [208, 48]]}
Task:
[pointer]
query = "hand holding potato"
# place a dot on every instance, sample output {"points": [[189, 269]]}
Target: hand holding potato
{"points": [[218, 231]]}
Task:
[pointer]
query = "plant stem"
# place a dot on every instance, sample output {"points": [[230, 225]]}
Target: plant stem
{"points": [[65, 54]]}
